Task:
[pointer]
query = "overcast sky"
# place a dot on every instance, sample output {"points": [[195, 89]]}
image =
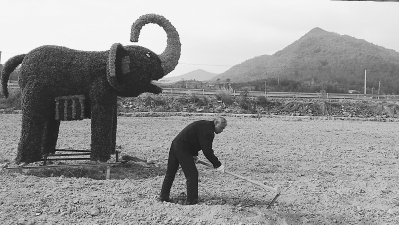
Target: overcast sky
{"points": [[215, 34]]}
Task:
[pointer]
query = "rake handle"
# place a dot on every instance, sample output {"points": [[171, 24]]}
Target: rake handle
{"points": [[243, 178]]}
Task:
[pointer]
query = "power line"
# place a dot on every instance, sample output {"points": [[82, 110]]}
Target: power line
{"points": [[199, 64], [14, 53]]}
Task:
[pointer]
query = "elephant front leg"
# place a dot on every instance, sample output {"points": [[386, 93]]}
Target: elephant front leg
{"points": [[102, 127]]}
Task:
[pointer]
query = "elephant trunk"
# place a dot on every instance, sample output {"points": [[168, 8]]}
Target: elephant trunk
{"points": [[170, 56]]}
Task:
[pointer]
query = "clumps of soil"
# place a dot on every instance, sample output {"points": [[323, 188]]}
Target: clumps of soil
{"points": [[329, 172]]}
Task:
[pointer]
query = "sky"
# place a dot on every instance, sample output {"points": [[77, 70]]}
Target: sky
{"points": [[215, 34]]}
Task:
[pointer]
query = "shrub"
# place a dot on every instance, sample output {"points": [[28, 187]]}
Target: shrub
{"points": [[262, 101], [244, 105], [225, 96], [159, 100], [243, 101], [204, 101], [13, 101], [181, 100], [218, 95], [222, 92], [147, 100], [228, 100], [194, 98]]}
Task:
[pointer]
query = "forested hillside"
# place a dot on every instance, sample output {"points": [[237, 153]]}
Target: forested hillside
{"points": [[199, 75], [324, 58]]}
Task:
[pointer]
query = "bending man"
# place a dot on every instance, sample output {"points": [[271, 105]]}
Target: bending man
{"points": [[184, 150]]}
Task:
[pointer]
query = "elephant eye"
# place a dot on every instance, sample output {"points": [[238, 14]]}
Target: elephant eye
{"points": [[148, 54]]}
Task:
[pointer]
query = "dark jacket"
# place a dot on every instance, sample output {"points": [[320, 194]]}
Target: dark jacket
{"points": [[195, 137]]}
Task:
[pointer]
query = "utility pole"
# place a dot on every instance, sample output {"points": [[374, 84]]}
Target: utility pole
{"points": [[365, 78], [265, 88], [1, 66], [379, 86]]}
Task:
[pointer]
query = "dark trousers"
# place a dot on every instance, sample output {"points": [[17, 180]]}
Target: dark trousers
{"points": [[186, 160]]}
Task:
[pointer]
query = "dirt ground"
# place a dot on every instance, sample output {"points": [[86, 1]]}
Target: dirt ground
{"points": [[329, 172]]}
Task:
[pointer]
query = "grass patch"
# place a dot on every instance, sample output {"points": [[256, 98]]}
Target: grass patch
{"points": [[13, 102]]}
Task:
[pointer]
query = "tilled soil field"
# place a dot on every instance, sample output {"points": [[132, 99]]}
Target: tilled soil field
{"points": [[329, 172]]}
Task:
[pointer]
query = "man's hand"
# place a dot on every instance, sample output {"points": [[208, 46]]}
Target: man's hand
{"points": [[195, 159], [220, 168]]}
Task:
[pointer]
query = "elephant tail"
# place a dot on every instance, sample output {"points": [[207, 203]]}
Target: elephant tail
{"points": [[8, 68]]}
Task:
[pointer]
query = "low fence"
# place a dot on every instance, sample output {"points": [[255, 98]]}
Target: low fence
{"points": [[285, 94]]}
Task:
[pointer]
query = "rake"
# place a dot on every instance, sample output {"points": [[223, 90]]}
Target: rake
{"points": [[273, 189]]}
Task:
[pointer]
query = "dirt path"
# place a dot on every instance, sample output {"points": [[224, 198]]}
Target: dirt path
{"points": [[330, 172]]}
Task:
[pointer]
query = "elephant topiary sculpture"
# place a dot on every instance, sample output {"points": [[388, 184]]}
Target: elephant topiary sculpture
{"points": [[48, 73]]}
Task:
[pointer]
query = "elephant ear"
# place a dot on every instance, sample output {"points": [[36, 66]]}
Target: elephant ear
{"points": [[118, 63]]}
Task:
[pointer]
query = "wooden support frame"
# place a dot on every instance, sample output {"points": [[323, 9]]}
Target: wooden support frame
{"points": [[75, 101], [71, 155], [107, 165], [67, 157]]}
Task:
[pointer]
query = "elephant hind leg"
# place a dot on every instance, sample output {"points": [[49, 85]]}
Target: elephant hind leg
{"points": [[114, 128], [50, 136], [36, 104]]}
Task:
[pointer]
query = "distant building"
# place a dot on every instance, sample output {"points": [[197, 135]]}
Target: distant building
{"points": [[193, 84], [353, 92], [248, 88]]}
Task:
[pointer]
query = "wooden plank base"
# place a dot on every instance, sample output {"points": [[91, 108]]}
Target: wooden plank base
{"points": [[107, 165]]}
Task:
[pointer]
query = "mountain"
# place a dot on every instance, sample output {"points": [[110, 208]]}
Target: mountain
{"points": [[323, 57], [199, 75]]}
